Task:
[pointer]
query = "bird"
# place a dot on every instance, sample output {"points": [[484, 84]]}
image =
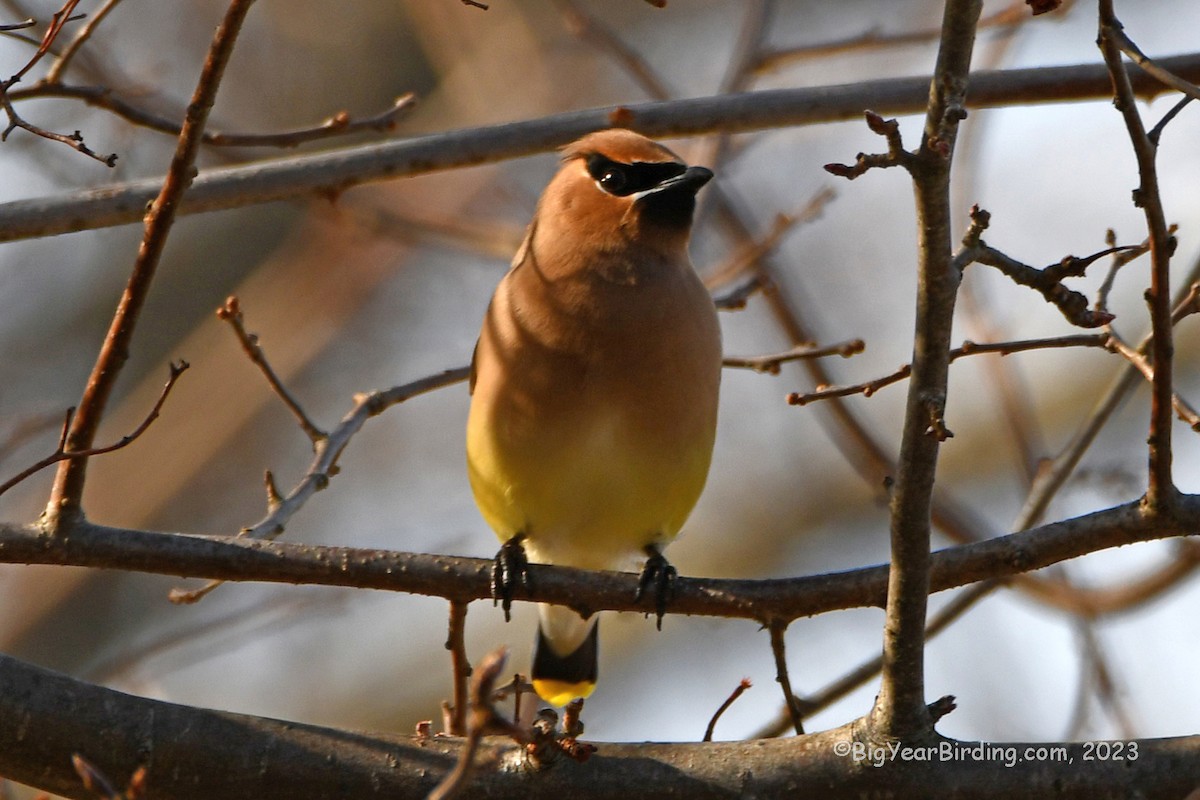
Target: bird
{"points": [[594, 388]]}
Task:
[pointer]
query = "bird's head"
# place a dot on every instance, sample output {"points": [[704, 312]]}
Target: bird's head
{"points": [[618, 190]]}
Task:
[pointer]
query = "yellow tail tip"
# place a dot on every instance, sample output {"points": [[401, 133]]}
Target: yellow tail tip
{"points": [[559, 693]]}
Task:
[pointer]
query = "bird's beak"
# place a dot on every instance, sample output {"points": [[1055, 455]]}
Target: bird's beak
{"points": [[688, 182]]}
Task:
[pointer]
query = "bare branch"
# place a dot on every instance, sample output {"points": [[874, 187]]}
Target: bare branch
{"points": [[231, 312], [1161, 489], [742, 686], [324, 464], [900, 709], [968, 348], [460, 666], [482, 715], [771, 363], [266, 759], [335, 171], [242, 558], [340, 124], [777, 630], [62, 454], [67, 494], [1047, 280], [896, 155], [54, 74], [1115, 30]]}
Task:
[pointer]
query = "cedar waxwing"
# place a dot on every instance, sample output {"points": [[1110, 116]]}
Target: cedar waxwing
{"points": [[594, 386]]}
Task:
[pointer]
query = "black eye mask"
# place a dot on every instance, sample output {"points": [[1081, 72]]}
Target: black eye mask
{"points": [[623, 180]]}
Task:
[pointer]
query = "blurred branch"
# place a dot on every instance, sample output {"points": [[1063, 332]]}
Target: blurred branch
{"points": [[337, 170], [769, 60], [74, 140], [67, 495], [771, 363], [54, 74], [340, 124]]}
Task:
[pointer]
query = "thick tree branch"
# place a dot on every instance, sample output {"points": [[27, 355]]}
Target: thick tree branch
{"points": [[334, 171], [45, 716]]}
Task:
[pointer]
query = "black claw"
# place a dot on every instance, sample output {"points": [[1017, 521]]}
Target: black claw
{"points": [[510, 570], [660, 573]]}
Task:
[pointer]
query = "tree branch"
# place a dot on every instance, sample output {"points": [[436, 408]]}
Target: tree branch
{"points": [[1161, 489], [45, 716], [900, 709], [67, 495], [335, 171], [239, 558]]}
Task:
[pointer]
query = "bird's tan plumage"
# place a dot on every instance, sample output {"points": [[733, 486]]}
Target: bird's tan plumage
{"points": [[595, 378]]}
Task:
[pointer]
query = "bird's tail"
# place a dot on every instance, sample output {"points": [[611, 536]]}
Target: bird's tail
{"points": [[564, 658]]}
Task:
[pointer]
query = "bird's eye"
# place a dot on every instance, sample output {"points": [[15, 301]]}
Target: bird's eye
{"points": [[613, 180]]}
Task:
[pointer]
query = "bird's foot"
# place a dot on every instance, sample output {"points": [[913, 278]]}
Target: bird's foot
{"points": [[659, 573], [510, 570]]}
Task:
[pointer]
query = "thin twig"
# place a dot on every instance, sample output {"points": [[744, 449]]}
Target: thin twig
{"points": [[742, 686], [864, 672], [62, 454], [1161, 489], [769, 60], [340, 124], [771, 363], [66, 496], [73, 140], [1046, 280], [324, 463], [54, 74], [968, 348], [58, 21], [896, 155], [1115, 30], [482, 716], [1183, 408], [781, 676], [460, 666], [1054, 474], [231, 312]]}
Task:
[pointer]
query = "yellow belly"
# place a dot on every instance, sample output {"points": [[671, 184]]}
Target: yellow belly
{"points": [[589, 492]]}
